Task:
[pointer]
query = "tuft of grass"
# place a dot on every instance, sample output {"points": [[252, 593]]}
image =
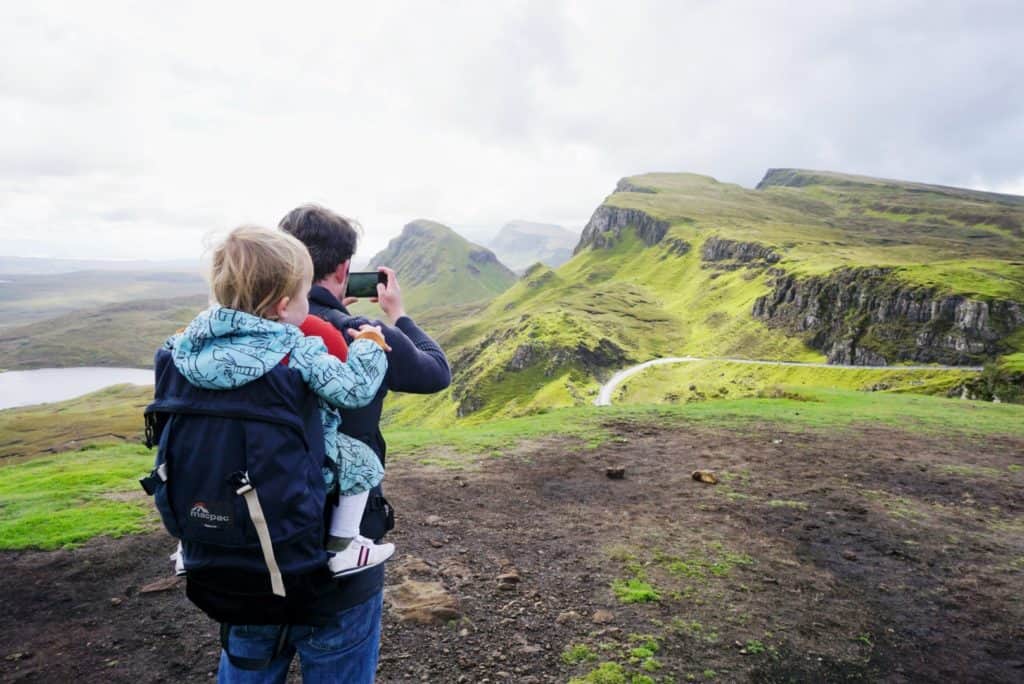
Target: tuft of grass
{"points": [[578, 653], [635, 590], [788, 503], [701, 565], [605, 673], [967, 470], [64, 500], [754, 647]]}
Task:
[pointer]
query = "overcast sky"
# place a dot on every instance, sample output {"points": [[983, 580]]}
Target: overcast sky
{"points": [[134, 129]]}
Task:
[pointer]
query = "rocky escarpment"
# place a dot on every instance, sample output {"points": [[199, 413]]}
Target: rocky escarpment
{"points": [[606, 225], [735, 254], [867, 316], [675, 247]]}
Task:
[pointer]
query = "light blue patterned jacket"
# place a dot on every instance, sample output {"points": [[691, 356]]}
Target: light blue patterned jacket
{"points": [[223, 349]]}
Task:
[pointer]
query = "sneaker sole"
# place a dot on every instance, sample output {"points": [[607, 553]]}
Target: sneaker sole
{"points": [[352, 571]]}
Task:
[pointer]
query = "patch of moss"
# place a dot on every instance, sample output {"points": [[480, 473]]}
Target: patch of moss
{"points": [[635, 590], [578, 653]]}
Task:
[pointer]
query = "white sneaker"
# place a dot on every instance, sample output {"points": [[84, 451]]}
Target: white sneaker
{"points": [[178, 560], [360, 554]]}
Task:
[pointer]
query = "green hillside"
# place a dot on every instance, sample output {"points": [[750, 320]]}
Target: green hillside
{"points": [[437, 267], [111, 414], [126, 334], [808, 267], [25, 298]]}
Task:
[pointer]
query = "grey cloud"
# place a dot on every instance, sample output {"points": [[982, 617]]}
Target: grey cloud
{"points": [[187, 117]]}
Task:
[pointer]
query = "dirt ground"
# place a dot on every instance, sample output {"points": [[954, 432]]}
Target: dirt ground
{"points": [[865, 556]]}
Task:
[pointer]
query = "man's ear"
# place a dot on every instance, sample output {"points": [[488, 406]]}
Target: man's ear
{"points": [[341, 272]]}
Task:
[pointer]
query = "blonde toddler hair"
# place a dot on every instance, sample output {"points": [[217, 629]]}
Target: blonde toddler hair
{"points": [[253, 268]]}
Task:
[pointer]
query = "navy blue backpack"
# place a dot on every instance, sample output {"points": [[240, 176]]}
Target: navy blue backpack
{"points": [[239, 480]]}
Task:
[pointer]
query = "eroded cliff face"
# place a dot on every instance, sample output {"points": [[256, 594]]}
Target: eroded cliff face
{"points": [[606, 225], [868, 317], [737, 254]]}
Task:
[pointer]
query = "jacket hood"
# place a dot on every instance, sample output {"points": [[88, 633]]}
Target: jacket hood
{"points": [[223, 348]]}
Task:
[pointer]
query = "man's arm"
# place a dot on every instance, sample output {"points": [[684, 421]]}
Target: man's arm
{"points": [[416, 363]]}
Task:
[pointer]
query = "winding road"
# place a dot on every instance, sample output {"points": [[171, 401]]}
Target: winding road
{"points": [[604, 397]]}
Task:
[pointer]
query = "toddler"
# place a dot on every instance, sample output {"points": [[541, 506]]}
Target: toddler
{"points": [[260, 280]]}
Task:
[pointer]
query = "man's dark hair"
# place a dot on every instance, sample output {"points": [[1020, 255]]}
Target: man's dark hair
{"points": [[329, 237]]}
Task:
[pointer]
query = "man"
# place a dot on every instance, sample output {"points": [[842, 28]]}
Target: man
{"points": [[344, 645]]}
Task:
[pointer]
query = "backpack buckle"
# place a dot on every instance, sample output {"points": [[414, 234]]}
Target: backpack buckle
{"points": [[240, 481], [156, 477]]}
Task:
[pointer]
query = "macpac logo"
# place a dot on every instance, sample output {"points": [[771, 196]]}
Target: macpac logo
{"points": [[199, 511]]}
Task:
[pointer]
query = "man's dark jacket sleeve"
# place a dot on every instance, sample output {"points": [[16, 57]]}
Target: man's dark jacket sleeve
{"points": [[416, 364]]}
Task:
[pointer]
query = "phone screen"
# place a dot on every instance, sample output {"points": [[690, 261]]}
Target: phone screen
{"points": [[364, 284]]}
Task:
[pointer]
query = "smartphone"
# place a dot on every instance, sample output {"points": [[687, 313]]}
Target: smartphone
{"points": [[364, 284]]}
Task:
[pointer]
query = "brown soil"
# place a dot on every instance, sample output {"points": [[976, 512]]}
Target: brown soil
{"points": [[844, 557]]}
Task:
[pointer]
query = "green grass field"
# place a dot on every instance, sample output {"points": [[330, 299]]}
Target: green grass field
{"points": [[59, 500], [66, 499], [721, 379]]}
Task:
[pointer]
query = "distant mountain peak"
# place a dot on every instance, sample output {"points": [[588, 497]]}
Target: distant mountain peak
{"points": [[437, 266], [522, 243]]}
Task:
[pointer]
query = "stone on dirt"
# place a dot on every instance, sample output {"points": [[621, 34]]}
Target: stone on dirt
{"points": [[510, 576], [423, 602], [602, 617], [705, 476]]}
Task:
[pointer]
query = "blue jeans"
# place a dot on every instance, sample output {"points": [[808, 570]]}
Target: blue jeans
{"points": [[343, 651]]}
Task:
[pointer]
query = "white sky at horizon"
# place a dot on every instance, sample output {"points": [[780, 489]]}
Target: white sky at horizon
{"points": [[133, 130]]}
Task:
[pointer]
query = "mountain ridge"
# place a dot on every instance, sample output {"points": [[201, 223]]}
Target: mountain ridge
{"points": [[438, 267], [521, 244], [682, 264]]}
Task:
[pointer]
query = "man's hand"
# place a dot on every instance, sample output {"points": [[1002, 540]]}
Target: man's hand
{"points": [[389, 296], [349, 301]]}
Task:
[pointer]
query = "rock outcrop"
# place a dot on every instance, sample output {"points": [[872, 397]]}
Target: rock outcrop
{"points": [[869, 317], [606, 225], [749, 254], [675, 247]]}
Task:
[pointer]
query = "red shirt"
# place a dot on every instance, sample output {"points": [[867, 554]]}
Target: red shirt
{"points": [[318, 327]]}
